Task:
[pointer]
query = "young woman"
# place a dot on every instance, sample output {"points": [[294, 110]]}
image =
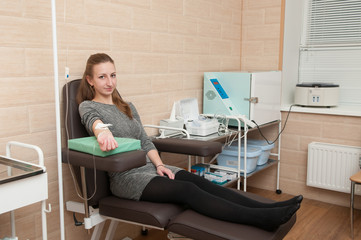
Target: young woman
{"points": [[100, 104]]}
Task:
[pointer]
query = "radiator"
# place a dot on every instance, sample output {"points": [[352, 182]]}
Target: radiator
{"points": [[330, 166]]}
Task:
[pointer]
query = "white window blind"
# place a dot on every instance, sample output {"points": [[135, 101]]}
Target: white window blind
{"points": [[330, 50]]}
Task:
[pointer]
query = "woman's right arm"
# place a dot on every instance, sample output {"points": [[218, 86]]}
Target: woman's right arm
{"points": [[104, 137], [90, 118]]}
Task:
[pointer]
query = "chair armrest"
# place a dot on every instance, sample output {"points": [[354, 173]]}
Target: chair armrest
{"points": [[188, 146], [114, 163]]}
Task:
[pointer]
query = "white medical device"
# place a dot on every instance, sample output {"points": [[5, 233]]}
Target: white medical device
{"points": [[202, 126], [185, 112], [228, 104], [255, 95], [194, 123], [316, 94], [172, 123]]}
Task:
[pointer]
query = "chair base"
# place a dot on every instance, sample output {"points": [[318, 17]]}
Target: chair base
{"points": [[97, 221]]}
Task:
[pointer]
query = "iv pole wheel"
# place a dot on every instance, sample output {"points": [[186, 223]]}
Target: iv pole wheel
{"points": [[278, 191]]}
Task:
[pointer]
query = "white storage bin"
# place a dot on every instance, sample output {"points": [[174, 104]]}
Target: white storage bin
{"points": [[266, 149], [229, 157]]}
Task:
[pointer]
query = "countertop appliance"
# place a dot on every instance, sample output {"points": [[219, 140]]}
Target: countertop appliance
{"points": [[317, 94]]}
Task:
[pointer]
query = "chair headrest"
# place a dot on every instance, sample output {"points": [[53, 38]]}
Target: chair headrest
{"points": [[74, 127]]}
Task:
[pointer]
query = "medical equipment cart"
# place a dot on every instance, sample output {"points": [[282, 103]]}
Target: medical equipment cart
{"points": [[241, 174], [243, 134], [24, 183]]}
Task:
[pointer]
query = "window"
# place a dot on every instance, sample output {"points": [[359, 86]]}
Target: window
{"points": [[330, 46]]}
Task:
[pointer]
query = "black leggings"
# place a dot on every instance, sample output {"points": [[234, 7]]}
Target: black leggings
{"points": [[217, 202]]}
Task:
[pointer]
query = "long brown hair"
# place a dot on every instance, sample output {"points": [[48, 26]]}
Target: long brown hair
{"points": [[86, 92]]}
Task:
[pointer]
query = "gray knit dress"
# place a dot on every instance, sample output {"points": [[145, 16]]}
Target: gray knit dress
{"points": [[129, 184]]}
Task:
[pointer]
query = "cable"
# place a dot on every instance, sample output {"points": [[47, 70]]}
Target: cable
{"points": [[67, 139], [76, 222], [223, 128], [279, 134]]}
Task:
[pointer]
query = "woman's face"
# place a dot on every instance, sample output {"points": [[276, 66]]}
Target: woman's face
{"points": [[104, 79]]}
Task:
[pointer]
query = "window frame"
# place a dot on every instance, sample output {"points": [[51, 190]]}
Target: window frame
{"points": [[293, 27]]}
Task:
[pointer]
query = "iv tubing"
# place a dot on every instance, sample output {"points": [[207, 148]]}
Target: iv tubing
{"points": [[57, 113]]}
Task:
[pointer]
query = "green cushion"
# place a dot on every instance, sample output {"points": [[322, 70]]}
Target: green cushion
{"points": [[90, 145]]}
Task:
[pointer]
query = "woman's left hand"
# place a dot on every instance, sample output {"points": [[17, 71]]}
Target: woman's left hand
{"points": [[162, 170]]}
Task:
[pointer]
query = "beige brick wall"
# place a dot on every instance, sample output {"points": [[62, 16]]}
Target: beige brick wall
{"points": [[161, 49], [261, 49], [302, 129], [261, 30]]}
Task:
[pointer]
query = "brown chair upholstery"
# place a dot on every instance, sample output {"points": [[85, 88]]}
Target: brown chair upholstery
{"points": [[199, 227], [160, 215], [109, 205], [188, 146]]}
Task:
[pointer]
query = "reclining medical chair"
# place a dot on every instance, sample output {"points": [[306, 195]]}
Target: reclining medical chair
{"points": [[100, 205]]}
